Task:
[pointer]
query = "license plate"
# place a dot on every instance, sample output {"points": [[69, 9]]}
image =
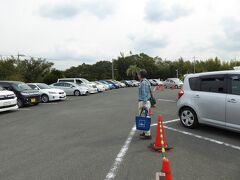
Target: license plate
{"points": [[7, 103], [33, 100]]}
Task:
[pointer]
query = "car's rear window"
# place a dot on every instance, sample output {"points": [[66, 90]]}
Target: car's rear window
{"points": [[194, 83]]}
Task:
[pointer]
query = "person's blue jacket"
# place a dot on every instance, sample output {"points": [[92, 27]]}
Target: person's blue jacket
{"points": [[144, 91]]}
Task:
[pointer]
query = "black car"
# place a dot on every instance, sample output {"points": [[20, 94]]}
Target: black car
{"points": [[25, 94]]}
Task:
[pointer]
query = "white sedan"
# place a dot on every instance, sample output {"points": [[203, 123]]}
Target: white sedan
{"points": [[72, 88], [8, 100], [48, 93]]}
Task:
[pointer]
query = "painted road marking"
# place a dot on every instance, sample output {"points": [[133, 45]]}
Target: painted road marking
{"points": [[166, 122], [113, 171], [49, 103], [204, 138], [167, 100]]}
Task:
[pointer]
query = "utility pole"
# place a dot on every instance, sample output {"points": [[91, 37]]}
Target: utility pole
{"points": [[112, 69], [177, 72], [194, 64], [20, 55]]}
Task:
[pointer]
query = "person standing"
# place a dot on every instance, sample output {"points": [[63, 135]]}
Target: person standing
{"points": [[144, 95]]}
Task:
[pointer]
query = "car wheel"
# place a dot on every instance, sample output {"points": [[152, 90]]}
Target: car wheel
{"points": [[188, 118], [44, 98], [176, 87], [77, 93], [19, 103]]}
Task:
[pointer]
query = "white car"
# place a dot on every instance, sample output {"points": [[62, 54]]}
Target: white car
{"points": [[48, 93], [104, 85], [135, 83], [100, 87], [81, 81], [71, 88], [90, 89], [8, 100], [173, 83]]}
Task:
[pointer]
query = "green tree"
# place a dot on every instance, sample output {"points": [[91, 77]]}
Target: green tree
{"points": [[53, 76], [132, 71]]}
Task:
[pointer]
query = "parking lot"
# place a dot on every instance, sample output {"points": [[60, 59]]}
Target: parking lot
{"points": [[92, 137]]}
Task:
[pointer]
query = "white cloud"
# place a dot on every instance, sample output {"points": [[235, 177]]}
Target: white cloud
{"points": [[158, 10], [76, 31]]}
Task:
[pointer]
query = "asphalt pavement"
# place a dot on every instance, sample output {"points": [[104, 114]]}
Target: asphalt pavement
{"points": [[90, 137]]}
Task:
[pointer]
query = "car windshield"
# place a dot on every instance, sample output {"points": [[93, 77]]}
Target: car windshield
{"points": [[85, 81], [21, 86], [43, 86]]}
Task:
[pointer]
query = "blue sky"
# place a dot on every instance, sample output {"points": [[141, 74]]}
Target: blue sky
{"points": [[71, 32]]}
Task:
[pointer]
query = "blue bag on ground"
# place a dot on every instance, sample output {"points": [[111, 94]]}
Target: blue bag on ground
{"points": [[143, 122]]}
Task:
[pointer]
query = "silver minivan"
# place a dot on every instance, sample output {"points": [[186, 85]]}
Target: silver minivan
{"points": [[211, 98]]}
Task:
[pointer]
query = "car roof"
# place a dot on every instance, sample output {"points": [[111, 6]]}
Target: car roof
{"points": [[214, 73]]}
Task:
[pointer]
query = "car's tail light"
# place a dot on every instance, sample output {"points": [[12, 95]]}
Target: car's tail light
{"points": [[180, 93]]}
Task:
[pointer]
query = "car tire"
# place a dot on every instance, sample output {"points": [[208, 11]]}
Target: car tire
{"points": [[77, 93], [20, 103], [44, 98], [188, 118], [176, 87]]}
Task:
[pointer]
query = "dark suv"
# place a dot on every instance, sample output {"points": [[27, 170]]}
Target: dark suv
{"points": [[25, 95]]}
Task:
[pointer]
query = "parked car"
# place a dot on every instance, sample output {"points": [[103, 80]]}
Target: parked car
{"points": [[135, 83], [120, 84], [81, 81], [25, 94], [48, 93], [110, 85], [159, 83], [71, 88], [173, 82], [116, 86], [211, 98], [100, 87], [8, 100], [127, 83]]}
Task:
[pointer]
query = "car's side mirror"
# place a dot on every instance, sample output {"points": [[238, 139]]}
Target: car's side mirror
{"points": [[36, 88]]}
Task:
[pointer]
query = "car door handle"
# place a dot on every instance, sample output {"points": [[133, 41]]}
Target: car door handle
{"points": [[232, 101], [197, 96]]}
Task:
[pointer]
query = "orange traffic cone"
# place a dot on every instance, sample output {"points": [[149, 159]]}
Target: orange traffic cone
{"points": [[160, 136], [157, 145], [166, 169]]}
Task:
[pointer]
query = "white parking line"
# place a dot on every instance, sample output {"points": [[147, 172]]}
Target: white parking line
{"points": [[166, 122], [167, 100], [204, 138], [49, 103], [113, 171]]}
